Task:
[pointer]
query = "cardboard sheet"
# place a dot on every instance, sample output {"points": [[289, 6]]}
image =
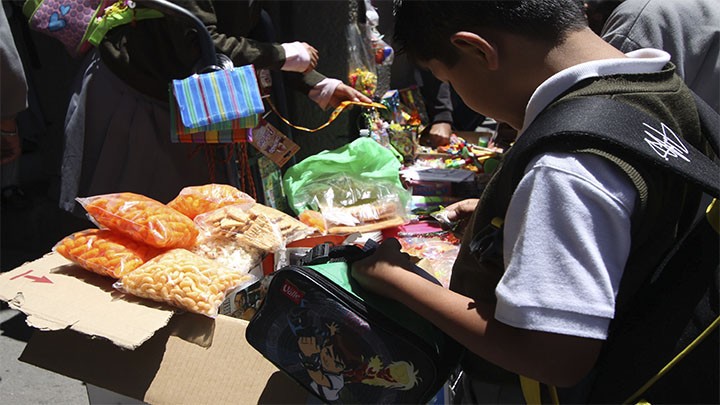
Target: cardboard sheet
{"points": [[55, 294], [89, 331], [194, 360]]}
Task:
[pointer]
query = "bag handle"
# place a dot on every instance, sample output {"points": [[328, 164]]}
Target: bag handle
{"points": [[339, 109]]}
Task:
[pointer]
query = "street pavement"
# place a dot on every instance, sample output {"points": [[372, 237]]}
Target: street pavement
{"points": [[25, 384]]}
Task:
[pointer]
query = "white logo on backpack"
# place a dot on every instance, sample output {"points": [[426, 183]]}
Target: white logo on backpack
{"points": [[666, 143]]}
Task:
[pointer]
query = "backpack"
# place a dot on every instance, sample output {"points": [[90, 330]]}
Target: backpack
{"points": [[344, 344], [81, 24], [664, 347]]}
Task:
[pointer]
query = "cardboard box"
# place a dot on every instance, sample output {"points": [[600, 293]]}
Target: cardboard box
{"points": [[89, 331]]}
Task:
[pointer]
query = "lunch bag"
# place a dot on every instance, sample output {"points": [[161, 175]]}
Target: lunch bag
{"points": [[344, 344]]}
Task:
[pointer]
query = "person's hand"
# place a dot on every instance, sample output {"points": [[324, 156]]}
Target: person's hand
{"points": [[10, 148], [462, 209], [438, 134], [343, 92], [314, 56], [377, 271]]}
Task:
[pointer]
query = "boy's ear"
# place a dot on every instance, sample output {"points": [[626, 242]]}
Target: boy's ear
{"points": [[474, 44]]}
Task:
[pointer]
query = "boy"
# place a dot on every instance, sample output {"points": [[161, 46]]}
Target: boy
{"points": [[544, 307]]}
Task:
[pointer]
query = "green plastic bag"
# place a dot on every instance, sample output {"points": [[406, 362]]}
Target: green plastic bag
{"points": [[361, 178]]}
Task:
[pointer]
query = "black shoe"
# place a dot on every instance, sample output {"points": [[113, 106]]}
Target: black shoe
{"points": [[14, 198]]}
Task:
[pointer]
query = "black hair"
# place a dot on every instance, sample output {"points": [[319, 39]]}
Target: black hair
{"points": [[423, 28]]}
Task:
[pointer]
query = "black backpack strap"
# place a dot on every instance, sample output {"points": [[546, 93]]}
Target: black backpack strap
{"points": [[647, 137], [709, 123]]}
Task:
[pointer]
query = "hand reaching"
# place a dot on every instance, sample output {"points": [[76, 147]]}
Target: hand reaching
{"points": [[343, 92], [461, 209], [438, 134], [376, 271]]}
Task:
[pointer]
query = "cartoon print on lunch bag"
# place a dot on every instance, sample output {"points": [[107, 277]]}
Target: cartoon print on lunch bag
{"points": [[333, 359]]}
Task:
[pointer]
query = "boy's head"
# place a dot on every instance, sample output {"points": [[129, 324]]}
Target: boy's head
{"points": [[493, 53], [423, 28]]}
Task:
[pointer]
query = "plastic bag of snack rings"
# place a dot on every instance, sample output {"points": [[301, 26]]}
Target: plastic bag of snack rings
{"points": [[141, 218], [184, 280], [105, 252], [195, 200], [259, 226]]}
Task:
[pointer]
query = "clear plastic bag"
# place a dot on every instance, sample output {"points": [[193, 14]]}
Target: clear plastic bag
{"points": [[258, 226], [142, 219], [105, 252], [184, 280], [355, 185], [229, 252], [345, 199], [362, 70], [195, 200]]}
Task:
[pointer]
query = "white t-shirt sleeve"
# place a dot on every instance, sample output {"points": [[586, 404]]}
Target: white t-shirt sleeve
{"points": [[566, 242]]}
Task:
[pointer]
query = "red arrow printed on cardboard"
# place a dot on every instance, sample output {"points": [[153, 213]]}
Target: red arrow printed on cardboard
{"points": [[35, 279]]}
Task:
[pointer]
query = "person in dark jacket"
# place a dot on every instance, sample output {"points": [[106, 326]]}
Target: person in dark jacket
{"points": [[117, 125]]}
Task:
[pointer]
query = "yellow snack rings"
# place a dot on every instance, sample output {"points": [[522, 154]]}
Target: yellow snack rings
{"points": [[142, 219], [195, 200], [184, 280], [104, 252]]}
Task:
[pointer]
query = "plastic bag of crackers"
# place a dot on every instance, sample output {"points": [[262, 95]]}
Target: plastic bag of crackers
{"points": [[257, 230], [184, 280]]}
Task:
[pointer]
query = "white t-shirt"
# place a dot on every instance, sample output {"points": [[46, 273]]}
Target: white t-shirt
{"points": [[567, 229]]}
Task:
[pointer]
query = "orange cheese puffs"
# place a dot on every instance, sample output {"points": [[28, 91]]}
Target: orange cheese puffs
{"points": [[142, 218], [105, 252], [195, 200]]}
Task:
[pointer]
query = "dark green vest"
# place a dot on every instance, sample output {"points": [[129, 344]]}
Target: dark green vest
{"points": [[664, 209]]}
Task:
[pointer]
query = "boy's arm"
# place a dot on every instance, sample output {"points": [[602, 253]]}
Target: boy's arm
{"points": [[560, 360]]}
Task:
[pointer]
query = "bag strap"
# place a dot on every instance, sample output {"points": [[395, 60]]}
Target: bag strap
{"points": [[709, 123], [638, 132], [705, 333]]}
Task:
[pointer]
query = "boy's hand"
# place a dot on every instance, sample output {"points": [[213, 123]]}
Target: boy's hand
{"points": [[461, 209], [379, 271]]}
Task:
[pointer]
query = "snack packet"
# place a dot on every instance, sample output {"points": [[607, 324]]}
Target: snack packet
{"points": [[259, 226], [184, 280], [229, 252], [105, 252], [195, 200], [142, 219]]}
